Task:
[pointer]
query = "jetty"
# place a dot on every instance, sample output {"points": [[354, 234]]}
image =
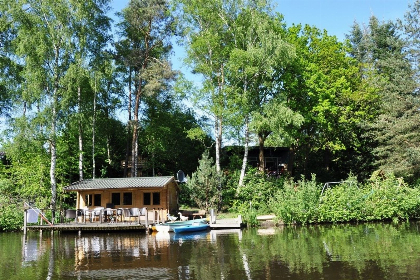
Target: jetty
{"points": [[144, 225]]}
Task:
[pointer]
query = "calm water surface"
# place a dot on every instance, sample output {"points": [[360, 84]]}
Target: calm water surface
{"points": [[368, 251]]}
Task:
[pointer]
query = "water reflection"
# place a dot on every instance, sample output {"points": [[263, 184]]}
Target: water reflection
{"points": [[368, 251]]}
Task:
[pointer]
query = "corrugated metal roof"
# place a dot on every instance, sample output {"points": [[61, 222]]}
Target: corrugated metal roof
{"points": [[118, 183]]}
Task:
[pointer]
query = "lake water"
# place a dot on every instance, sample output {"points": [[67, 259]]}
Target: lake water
{"points": [[366, 251]]}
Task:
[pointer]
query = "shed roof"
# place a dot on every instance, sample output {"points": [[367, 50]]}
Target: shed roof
{"points": [[120, 183]]}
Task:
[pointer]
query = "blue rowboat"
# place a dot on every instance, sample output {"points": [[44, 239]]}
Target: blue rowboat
{"points": [[192, 227], [169, 226]]}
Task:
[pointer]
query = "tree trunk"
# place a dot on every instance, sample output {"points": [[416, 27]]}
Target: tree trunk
{"points": [[291, 160], [53, 142], [127, 151], [53, 162], [261, 158], [134, 142], [93, 134], [79, 104], [245, 159], [218, 132]]}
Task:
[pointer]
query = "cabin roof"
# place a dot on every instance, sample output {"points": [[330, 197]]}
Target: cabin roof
{"points": [[120, 183]]}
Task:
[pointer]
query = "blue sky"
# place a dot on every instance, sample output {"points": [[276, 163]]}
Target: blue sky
{"points": [[335, 16]]}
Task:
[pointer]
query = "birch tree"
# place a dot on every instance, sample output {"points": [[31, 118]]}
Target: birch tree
{"points": [[45, 44], [207, 37], [258, 55]]}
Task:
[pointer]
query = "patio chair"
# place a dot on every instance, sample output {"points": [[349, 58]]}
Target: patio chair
{"points": [[87, 215], [108, 215], [120, 213], [80, 213], [70, 214], [97, 213], [135, 212], [126, 214]]}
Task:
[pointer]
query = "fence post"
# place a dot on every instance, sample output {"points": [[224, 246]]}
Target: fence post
{"points": [[25, 217]]}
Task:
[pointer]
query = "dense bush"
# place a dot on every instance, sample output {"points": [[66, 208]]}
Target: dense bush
{"points": [[251, 198], [11, 214], [296, 202], [381, 198]]}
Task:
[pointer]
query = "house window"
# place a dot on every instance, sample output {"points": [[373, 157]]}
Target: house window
{"points": [[88, 200], [156, 198], [97, 199], [116, 198], [146, 199], [127, 198]]}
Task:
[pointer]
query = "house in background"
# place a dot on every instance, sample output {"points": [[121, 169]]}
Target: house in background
{"points": [[134, 192], [276, 159]]}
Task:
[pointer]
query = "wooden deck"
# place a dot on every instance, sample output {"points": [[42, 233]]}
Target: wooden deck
{"points": [[227, 224], [123, 226], [89, 227]]}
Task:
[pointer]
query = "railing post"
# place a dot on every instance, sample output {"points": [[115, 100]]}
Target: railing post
{"points": [[25, 217], [147, 217]]}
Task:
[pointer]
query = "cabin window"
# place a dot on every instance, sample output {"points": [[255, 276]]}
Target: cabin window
{"points": [[88, 200], [146, 199], [156, 198], [127, 198], [116, 198], [149, 198], [97, 199]]}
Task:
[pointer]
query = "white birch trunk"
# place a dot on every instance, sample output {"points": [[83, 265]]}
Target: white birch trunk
{"points": [[245, 159], [53, 143], [218, 135]]}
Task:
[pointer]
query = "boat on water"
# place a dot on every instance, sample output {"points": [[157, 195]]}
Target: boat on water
{"points": [[169, 226], [192, 228]]}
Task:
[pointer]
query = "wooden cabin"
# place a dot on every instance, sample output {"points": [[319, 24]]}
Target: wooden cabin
{"points": [[151, 192]]}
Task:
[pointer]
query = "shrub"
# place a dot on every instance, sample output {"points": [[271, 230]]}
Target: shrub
{"points": [[296, 202], [11, 214]]}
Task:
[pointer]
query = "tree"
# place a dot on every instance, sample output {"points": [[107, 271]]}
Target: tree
{"points": [[146, 30], [164, 138], [208, 40], [395, 127], [324, 85], [47, 45], [258, 55], [203, 184], [9, 70]]}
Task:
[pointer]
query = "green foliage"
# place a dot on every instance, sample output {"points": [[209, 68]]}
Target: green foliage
{"points": [[11, 212], [165, 138], [324, 85], [387, 60], [251, 199], [204, 184], [296, 202], [381, 198]]}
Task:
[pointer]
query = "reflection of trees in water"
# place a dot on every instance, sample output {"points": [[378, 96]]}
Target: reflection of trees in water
{"points": [[336, 249], [367, 251]]}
